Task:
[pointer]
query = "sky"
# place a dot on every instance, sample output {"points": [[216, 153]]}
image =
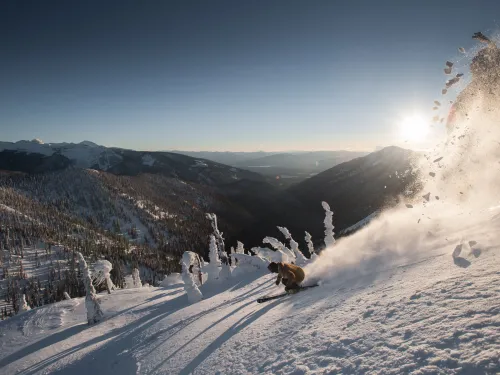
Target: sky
{"points": [[229, 75]]}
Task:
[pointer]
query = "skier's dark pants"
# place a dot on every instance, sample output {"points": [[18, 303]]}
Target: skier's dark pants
{"points": [[289, 286]]}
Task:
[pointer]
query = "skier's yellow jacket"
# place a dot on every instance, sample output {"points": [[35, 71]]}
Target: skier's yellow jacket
{"points": [[290, 274]]}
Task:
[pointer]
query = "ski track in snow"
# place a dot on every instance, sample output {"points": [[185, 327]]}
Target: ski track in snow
{"points": [[430, 317]]}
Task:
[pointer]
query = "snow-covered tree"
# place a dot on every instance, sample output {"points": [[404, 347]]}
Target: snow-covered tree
{"points": [[102, 269], [23, 305], [309, 243], [300, 259], [94, 312], [270, 255], [212, 268], [310, 246], [280, 246], [193, 261], [240, 248], [136, 278], [192, 291], [213, 255], [329, 239], [218, 237]]}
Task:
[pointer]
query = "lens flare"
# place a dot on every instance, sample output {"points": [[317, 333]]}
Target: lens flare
{"points": [[414, 128]]}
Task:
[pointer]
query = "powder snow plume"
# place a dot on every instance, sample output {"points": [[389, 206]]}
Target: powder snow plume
{"points": [[457, 204]]}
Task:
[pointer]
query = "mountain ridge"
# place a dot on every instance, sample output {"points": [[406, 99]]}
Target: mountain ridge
{"points": [[258, 205]]}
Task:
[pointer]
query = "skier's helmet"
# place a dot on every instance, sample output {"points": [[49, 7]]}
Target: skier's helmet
{"points": [[273, 267]]}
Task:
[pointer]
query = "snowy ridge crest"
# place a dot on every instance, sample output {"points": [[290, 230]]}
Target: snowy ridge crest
{"points": [[85, 154]]}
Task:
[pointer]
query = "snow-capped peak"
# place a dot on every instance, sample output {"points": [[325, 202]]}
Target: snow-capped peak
{"points": [[89, 144]]}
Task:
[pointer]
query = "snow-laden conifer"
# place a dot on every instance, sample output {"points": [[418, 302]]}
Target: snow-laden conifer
{"points": [[309, 243], [219, 239], [240, 248], [270, 255], [329, 239], [101, 274], [136, 278], [280, 246], [213, 268], [310, 246], [300, 259], [94, 312], [193, 293], [23, 305]]}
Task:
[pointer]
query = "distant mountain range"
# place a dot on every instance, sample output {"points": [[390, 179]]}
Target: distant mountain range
{"points": [[282, 169], [37, 157], [225, 157]]}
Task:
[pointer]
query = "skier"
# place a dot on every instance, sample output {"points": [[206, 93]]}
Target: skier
{"points": [[289, 274], [485, 83]]}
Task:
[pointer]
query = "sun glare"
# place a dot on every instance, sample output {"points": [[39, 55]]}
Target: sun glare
{"points": [[414, 128]]}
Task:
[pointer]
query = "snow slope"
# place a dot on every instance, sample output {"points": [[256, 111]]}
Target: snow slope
{"points": [[359, 224], [437, 315]]}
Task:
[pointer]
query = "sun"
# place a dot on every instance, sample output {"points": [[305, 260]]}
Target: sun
{"points": [[414, 128]]}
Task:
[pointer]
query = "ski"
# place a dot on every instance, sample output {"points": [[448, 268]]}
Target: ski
{"points": [[270, 298]]}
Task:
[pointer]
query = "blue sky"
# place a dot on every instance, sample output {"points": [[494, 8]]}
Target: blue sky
{"points": [[228, 75]]}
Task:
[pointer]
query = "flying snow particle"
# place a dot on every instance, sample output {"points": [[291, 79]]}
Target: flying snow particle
{"points": [[481, 37], [451, 82], [449, 64], [427, 196], [457, 251], [438, 159], [432, 174], [409, 205], [437, 103], [461, 49], [447, 70], [459, 75], [444, 91]]}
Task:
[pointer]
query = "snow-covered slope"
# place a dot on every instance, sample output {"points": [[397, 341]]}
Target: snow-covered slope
{"points": [[360, 224], [434, 316]]}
